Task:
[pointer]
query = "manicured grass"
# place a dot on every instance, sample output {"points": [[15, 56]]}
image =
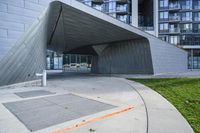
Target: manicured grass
{"points": [[183, 93]]}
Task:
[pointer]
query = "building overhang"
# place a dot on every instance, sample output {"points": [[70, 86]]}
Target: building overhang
{"points": [[79, 26]]}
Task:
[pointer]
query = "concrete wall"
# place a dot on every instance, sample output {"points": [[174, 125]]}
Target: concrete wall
{"points": [[126, 57], [16, 16], [166, 57], [28, 56]]}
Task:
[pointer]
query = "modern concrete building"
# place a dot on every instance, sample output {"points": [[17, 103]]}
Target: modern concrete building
{"points": [[179, 24], [174, 21], [30, 27]]}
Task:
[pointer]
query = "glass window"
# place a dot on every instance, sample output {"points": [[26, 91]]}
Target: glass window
{"points": [[163, 3], [187, 16], [164, 15], [187, 4], [174, 40]]}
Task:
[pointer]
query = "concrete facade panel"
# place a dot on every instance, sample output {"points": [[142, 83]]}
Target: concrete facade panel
{"points": [[125, 57], [15, 18], [3, 32], [3, 7], [34, 6], [22, 11], [19, 3], [12, 25]]}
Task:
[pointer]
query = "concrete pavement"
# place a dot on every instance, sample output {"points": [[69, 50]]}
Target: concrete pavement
{"points": [[151, 113]]}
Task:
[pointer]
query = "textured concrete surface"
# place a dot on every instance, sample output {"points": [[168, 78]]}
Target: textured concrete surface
{"points": [[151, 112]]}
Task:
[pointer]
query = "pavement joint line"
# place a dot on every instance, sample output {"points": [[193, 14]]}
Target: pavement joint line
{"points": [[97, 99], [145, 105], [92, 120]]}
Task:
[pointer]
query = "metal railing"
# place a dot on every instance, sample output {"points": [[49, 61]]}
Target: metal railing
{"points": [[197, 7], [196, 18], [174, 6], [147, 28], [174, 30], [174, 18]]}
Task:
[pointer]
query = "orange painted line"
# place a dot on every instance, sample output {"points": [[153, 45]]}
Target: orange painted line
{"points": [[62, 130]]}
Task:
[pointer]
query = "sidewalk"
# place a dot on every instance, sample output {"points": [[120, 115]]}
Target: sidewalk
{"points": [[151, 113]]}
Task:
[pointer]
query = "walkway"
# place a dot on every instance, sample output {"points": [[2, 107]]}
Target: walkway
{"points": [[110, 105]]}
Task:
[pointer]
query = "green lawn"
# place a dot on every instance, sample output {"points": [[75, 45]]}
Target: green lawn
{"points": [[183, 93]]}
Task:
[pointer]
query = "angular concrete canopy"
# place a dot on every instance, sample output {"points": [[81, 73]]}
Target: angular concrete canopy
{"points": [[72, 27]]}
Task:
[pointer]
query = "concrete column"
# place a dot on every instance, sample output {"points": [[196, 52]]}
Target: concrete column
{"points": [[134, 13], [156, 17], [192, 59]]}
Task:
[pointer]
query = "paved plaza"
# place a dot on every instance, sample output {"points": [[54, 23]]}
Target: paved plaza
{"points": [[83, 103]]}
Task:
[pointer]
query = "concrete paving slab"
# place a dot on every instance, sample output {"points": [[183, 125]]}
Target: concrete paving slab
{"points": [[33, 93]]}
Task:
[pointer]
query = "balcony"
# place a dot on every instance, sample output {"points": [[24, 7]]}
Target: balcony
{"points": [[147, 28], [98, 7], [197, 19], [163, 31], [122, 1], [164, 19], [174, 18], [197, 7], [196, 31], [174, 30], [122, 9], [186, 19], [97, 1], [174, 6], [186, 7], [186, 31]]}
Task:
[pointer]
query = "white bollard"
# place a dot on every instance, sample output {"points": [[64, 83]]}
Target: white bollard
{"points": [[44, 77]]}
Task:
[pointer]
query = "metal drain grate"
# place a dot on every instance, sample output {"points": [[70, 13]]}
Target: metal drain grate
{"points": [[34, 93], [40, 113]]}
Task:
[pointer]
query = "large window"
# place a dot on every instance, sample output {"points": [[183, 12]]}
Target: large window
{"points": [[196, 16], [123, 18], [98, 6], [196, 28], [174, 40], [164, 15], [186, 28], [194, 59], [187, 4], [164, 3], [187, 16], [197, 4], [163, 27]]}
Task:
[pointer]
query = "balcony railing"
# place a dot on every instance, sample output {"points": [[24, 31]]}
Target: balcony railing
{"points": [[186, 7], [197, 19], [164, 19], [186, 19], [197, 7], [174, 6], [174, 30], [196, 31], [174, 18], [163, 31], [122, 9], [147, 28], [186, 30]]}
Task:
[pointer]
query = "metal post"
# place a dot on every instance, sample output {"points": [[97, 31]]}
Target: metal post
{"points": [[44, 78], [192, 60]]}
